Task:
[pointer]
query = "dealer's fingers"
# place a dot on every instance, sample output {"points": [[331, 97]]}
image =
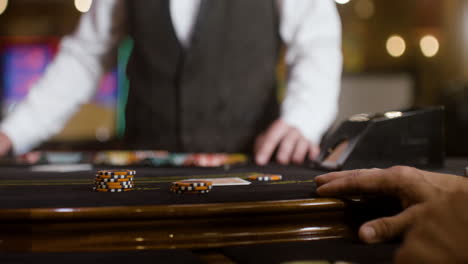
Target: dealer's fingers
{"points": [[300, 151], [271, 140], [287, 146], [314, 151], [5, 144]]}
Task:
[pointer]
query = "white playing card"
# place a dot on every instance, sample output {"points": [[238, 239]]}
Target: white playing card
{"points": [[62, 167], [224, 181]]}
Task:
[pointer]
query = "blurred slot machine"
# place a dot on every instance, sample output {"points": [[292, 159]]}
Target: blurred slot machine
{"points": [[23, 61]]}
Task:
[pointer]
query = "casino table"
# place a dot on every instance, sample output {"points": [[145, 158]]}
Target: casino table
{"points": [[51, 216]]}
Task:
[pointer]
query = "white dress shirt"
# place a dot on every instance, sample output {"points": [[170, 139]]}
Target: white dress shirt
{"points": [[310, 28]]}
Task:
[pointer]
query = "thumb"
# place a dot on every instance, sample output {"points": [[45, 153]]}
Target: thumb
{"points": [[386, 228]]}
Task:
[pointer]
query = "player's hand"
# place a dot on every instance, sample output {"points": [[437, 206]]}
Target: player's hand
{"points": [[291, 144], [5, 144], [413, 187], [439, 234]]}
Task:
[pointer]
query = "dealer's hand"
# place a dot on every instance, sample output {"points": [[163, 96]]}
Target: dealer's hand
{"points": [[291, 145], [413, 187], [439, 234], [5, 144]]}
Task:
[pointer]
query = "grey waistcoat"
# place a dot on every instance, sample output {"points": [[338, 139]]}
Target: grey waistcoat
{"points": [[215, 96]]}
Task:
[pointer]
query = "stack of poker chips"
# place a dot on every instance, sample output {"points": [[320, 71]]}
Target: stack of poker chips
{"points": [[265, 177], [114, 181], [191, 187]]}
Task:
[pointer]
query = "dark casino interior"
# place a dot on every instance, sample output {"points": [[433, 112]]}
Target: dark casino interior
{"points": [[412, 49], [403, 100]]}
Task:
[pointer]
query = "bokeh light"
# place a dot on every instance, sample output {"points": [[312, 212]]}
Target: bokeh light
{"points": [[429, 46], [83, 5], [342, 2], [396, 46], [393, 114], [103, 134], [364, 9], [3, 6]]}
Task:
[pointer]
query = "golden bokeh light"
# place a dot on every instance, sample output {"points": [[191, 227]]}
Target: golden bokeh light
{"points": [[364, 9], [396, 46], [429, 46], [342, 2], [83, 5], [3, 6]]}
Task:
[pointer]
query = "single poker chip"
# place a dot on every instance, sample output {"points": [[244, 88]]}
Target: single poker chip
{"points": [[114, 177], [192, 183], [190, 192], [191, 188], [114, 183], [122, 186], [116, 172], [119, 187], [130, 179], [111, 190], [265, 177]]}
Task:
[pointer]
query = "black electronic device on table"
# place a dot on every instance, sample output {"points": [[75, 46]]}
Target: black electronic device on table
{"points": [[414, 138]]}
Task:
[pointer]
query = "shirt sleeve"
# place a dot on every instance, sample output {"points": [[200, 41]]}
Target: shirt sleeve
{"points": [[311, 31], [70, 80]]}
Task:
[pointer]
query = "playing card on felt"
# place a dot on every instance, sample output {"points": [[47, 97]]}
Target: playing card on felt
{"points": [[225, 181]]}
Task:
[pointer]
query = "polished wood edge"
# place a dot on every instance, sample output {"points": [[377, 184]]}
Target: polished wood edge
{"points": [[172, 211], [212, 256], [192, 233]]}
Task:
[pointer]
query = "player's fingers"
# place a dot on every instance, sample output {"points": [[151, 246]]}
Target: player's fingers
{"points": [[314, 151], [370, 181], [287, 145], [408, 254], [328, 177], [387, 228], [417, 250], [272, 138], [300, 152]]}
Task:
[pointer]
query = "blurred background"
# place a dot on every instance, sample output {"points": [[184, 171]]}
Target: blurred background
{"points": [[397, 55]]}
